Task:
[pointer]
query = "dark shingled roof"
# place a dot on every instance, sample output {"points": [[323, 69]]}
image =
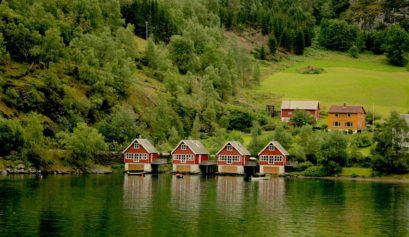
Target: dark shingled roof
{"points": [[346, 109]]}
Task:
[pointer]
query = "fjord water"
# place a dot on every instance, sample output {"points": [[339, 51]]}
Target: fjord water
{"points": [[162, 205]]}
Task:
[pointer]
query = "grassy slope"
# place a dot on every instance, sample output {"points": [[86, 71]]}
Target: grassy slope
{"points": [[367, 80]]}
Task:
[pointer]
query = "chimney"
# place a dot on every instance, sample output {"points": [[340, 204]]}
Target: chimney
{"points": [[232, 139], [189, 138], [140, 136]]}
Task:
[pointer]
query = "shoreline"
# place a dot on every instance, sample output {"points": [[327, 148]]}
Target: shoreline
{"points": [[361, 179]]}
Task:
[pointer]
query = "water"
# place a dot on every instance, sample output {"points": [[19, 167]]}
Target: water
{"points": [[161, 205]]}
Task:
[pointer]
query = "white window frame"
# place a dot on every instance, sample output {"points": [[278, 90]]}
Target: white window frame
{"points": [[336, 122], [136, 157], [290, 113], [271, 147], [336, 115], [348, 115], [136, 145], [184, 157], [349, 123], [229, 147], [183, 147]]}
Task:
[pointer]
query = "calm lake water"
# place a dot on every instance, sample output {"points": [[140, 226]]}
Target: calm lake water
{"points": [[161, 205]]}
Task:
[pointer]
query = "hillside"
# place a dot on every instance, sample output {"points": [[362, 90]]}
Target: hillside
{"points": [[368, 80]]}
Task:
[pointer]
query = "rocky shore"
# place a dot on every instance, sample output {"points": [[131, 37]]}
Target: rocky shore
{"points": [[22, 169]]}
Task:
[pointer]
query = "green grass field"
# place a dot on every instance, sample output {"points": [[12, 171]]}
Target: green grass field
{"points": [[364, 81]]}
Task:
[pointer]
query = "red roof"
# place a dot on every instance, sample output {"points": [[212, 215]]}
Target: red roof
{"points": [[346, 109]]}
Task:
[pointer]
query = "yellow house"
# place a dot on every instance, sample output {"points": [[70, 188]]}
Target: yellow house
{"points": [[346, 118]]}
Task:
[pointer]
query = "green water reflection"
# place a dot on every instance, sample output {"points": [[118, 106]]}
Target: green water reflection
{"points": [[161, 205]]}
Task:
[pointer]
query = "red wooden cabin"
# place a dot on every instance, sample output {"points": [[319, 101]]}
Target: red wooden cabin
{"points": [[187, 156], [288, 108], [232, 158], [272, 158], [139, 155]]}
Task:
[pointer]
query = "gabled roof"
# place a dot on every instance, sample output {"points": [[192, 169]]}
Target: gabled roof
{"points": [[238, 146], [195, 145], [145, 144], [307, 105], [277, 145], [346, 109]]}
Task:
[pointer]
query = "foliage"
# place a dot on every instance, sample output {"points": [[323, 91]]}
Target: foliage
{"points": [[396, 45], [303, 166], [338, 35], [317, 171], [272, 43], [353, 51], [310, 70], [334, 151], [84, 143], [11, 136], [301, 118], [283, 137]]}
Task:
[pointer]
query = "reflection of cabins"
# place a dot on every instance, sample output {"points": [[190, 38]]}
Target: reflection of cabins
{"points": [[139, 155], [138, 192], [186, 192], [271, 191], [230, 192], [187, 156], [272, 158], [232, 158]]}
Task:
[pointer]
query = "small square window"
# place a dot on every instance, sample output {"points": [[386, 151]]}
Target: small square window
{"points": [[336, 115], [271, 147], [183, 147], [136, 145], [349, 115], [290, 113]]}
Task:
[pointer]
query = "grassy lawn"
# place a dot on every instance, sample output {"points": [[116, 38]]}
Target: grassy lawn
{"points": [[367, 80], [361, 172]]}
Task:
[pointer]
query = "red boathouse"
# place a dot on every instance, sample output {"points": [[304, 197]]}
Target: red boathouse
{"points": [[272, 158], [187, 156], [138, 156], [232, 158]]}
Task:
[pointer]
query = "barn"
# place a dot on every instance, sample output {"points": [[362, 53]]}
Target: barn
{"points": [[272, 158], [232, 158], [188, 155], [288, 108], [138, 156]]}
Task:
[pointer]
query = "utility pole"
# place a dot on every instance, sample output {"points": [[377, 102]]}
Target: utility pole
{"points": [[373, 118], [147, 30]]}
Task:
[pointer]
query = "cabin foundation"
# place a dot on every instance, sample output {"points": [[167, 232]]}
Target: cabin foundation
{"points": [[272, 169]]}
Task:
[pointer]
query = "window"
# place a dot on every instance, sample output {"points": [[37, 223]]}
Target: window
{"points": [[136, 156], [271, 159], [229, 147], [336, 124], [348, 124], [290, 113], [348, 115], [183, 158], [229, 159], [183, 147], [336, 115], [271, 147], [136, 145]]}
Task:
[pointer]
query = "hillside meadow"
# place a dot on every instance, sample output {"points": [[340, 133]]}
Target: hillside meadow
{"points": [[368, 80]]}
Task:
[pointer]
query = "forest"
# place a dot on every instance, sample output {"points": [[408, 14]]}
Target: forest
{"points": [[75, 77]]}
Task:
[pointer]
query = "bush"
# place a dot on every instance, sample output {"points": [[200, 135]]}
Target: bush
{"points": [[317, 171], [353, 51], [311, 70], [303, 166], [396, 45]]}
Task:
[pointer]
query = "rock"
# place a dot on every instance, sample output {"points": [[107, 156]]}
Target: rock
{"points": [[3, 172], [21, 166]]}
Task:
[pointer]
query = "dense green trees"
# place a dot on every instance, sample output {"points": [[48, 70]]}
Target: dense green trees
{"points": [[338, 35], [396, 45], [301, 118]]}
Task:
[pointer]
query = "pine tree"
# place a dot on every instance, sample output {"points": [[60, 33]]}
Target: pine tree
{"points": [[196, 128], [262, 53], [256, 74], [272, 43], [299, 43]]}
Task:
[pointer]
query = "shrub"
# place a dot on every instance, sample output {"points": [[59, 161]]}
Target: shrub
{"points": [[396, 45], [353, 51], [317, 171], [310, 70], [301, 118], [303, 166], [338, 35]]}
